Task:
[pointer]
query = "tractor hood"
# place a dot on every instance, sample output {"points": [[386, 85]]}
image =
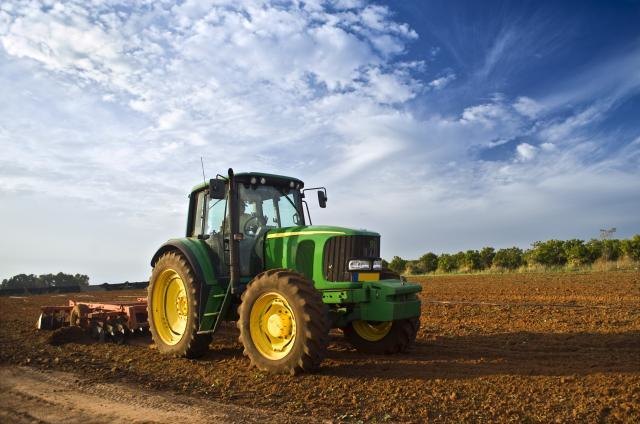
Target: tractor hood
{"points": [[319, 252], [317, 230]]}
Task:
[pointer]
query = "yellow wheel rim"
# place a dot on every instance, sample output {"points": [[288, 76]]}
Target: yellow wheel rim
{"points": [[272, 326], [372, 331], [170, 307]]}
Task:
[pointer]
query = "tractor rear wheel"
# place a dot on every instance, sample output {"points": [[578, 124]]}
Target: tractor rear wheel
{"points": [[173, 308], [382, 337], [284, 325]]}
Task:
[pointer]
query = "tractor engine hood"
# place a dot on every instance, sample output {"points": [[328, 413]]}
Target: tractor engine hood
{"points": [[320, 252], [318, 230]]}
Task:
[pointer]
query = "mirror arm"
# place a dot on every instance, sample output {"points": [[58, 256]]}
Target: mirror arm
{"points": [[308, 214]]}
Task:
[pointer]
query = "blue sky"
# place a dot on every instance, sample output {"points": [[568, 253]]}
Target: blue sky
{"points": [[443, 125]]}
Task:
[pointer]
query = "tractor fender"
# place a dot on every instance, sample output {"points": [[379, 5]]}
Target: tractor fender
{"points": [[200, 260], [197, 254]]}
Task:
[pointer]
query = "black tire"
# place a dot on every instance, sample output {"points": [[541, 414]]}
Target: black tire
{"points": [[309, 343], [191, 344], [400, 337]]}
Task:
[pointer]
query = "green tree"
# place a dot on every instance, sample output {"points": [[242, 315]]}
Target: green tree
{"points": [[611, 249], [22, 281], [486, 257], [429, 262], [398, 264], [470, 260], [594, 249], [549, 253], [45, 280], [631, 247], [64, 280], [447, 263], [414, 267], [576, 252], [510, 258]]}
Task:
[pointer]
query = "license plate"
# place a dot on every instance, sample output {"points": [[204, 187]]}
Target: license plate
{"points": [[366, 276]]}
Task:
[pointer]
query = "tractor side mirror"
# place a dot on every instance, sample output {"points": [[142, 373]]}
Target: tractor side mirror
{"points": [[216, 188], [322, 199]]}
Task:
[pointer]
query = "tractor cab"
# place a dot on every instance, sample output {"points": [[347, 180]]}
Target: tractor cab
{"points": [[262, 202]]}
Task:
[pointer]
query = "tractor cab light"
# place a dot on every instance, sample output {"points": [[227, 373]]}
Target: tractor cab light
{"points": [[359, 264], [377, 264], [253, 180], [263, 180]]}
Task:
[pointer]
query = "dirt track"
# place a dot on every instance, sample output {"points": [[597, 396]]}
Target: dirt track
{"points": [[28, 395], [539, 347]]}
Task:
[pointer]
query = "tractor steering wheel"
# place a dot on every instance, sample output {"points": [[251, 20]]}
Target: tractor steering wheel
{"points": [[251, 230]]}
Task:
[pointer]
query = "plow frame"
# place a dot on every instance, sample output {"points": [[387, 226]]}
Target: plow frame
{"points": [[131, 313]]}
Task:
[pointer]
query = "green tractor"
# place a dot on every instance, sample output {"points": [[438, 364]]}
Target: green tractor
{"points": [[249, 256]]}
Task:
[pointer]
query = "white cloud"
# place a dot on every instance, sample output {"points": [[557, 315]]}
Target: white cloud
{"points": [[526, 151], [549, 147], [563, 130], [527, 107], [487, 114], [440, 83], [170, 119]]}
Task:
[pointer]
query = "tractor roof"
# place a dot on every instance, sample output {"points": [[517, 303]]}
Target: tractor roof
{"points": [[246, 177]]}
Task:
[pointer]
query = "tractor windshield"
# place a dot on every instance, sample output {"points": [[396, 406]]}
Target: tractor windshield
{"points": [[261, 208], [265, 206]]}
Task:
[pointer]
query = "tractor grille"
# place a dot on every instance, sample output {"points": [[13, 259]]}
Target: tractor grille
{"points": [[338, 250]]}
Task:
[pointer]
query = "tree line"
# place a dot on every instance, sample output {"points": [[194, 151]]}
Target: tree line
{"points": [[572, 253], [31, 281]]}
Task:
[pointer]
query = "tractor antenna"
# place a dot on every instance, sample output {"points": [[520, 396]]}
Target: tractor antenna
{"points": [[204, 178]]}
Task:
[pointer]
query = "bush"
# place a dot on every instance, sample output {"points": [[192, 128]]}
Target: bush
{"points": [[631, 248], [414, 268], [548, 253], [429, 262], [510, 258], [576, 253], [486, 257], [398, 264], [611, 250], [470, 261], [447, 263], [594, 249]]}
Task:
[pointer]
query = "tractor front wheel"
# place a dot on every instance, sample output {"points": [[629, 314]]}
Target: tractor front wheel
{"points": [[382, 337], [173, 308], [284, 325]]}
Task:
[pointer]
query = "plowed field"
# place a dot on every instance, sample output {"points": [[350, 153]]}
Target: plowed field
{"points": [[507, 348]]}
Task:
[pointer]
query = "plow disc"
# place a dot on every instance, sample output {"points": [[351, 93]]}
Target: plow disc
{"points": [[111, 321]]}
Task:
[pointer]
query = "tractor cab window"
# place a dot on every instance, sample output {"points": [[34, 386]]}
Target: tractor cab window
{"points": [[196, 225], [262, 208], [215, 216], [281, 212]]}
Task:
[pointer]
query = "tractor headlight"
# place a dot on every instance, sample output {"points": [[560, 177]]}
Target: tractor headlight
{"points": [[377, 265], [359, 265]]}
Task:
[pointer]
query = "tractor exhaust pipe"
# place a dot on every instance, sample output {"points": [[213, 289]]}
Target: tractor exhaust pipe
{"points": [[234, 237]]}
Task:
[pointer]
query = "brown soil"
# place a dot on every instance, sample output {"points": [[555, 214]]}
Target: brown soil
{"points": [[531, 347], [30, 395]]}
